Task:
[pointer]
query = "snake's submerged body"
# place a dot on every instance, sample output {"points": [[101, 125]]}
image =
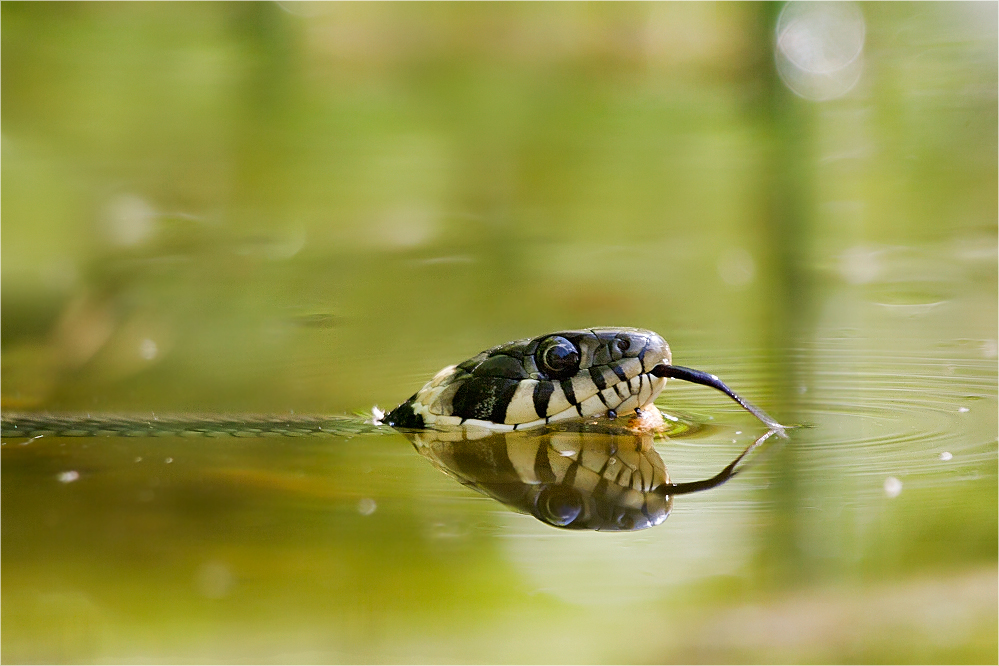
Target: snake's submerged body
{"points": [[560, 427], [17, 425], [560, 377]]}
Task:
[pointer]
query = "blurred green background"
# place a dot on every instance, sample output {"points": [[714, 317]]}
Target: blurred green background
{"points": [[312, 207]]}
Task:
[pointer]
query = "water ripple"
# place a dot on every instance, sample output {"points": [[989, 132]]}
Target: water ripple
{"points": [[870, 411]]}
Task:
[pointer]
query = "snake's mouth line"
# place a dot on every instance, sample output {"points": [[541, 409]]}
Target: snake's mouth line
{"points": [[583, 374], [621, 398]]}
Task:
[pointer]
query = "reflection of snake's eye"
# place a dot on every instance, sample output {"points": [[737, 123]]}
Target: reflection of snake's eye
{"points": [[559, 505], [625, 522], [558, 357]]}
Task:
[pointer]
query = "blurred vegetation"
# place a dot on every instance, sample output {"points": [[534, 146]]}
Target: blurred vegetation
{"points": [[265, 207]]}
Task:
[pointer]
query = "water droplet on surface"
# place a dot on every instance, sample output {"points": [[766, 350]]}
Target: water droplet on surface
{"points": [[366, 506], [129, 221], [963, 410], [946, 455], [148, 349], [69, 477], [893, 487]]}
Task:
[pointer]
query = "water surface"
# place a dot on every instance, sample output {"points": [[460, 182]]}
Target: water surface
{"points": [[278, 210]]}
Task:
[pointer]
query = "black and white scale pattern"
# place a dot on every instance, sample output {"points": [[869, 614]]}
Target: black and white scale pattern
{"points": [[611, 479], [550, 378]]}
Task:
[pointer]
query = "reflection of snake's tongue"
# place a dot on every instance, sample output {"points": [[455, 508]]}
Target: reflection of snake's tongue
{"points": [[705, 379], [672, 489]]}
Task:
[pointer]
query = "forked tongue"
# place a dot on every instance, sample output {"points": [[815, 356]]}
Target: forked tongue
{"points": [[705, 379]]}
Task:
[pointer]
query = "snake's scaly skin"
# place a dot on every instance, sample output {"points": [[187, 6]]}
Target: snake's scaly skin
{"points": [[565, 376], [536, 381], [16, 425]]}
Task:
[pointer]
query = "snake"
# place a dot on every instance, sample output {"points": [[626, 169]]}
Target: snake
{"points": [[558, 426], [567, 375], [534, 382], [42, 424]]}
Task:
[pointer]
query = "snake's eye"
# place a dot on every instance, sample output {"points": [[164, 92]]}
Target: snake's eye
{"points": [[623, 344], [559, 506], [557, 357]]}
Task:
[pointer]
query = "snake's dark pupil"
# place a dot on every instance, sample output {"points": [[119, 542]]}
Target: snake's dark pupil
{"points": [[622, 345], [559, 506], [559, 358]]}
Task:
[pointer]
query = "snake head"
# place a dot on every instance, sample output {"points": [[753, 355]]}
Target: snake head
{"points": [[535, 381]]}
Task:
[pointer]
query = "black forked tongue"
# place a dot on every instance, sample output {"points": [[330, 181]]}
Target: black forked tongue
{"points": [[703, 378]]}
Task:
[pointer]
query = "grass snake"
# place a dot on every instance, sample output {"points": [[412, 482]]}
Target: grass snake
{"points": [[565, 376]]}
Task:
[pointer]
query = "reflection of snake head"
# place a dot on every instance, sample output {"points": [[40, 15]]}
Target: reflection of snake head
{"points": [[518, 423], [531, 382], [611, 509], [609, 480]]}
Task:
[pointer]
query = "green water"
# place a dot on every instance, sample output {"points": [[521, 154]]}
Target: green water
{"points": [[310, 209]]}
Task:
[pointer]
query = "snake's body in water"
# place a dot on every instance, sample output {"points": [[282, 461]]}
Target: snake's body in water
{"points": [[566, 376]]}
